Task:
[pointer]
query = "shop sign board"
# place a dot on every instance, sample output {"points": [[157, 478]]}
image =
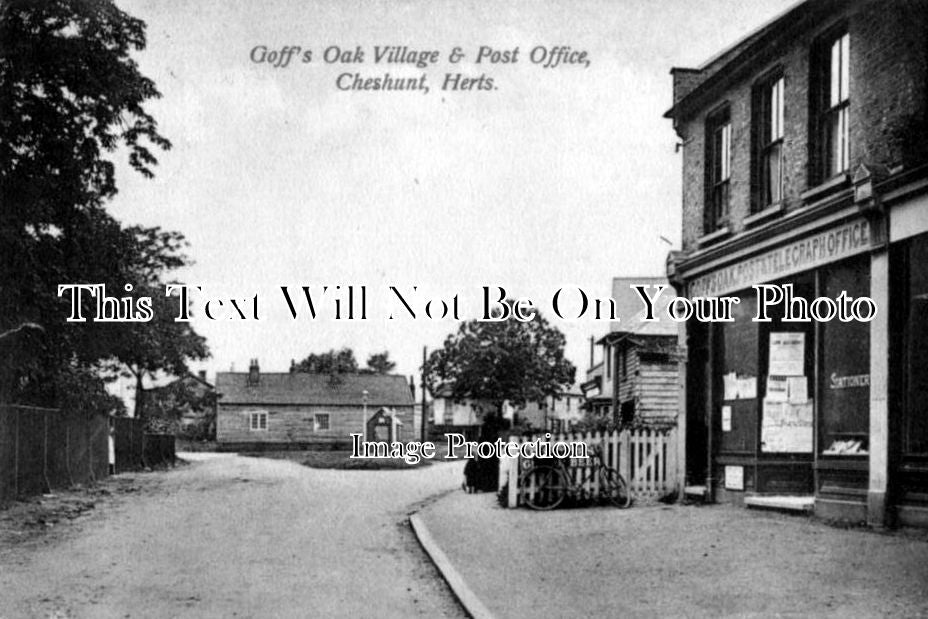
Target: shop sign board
{"points": [[837, 243]]}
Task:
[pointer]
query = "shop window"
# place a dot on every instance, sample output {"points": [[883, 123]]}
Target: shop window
{"points": [[718, 169], [845, 353], [915, 347], [768, 121], [786, 384], [736, 370], [832, 102]]}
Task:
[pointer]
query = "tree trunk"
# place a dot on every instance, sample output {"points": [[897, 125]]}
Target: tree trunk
{"points": [[139, 397]]}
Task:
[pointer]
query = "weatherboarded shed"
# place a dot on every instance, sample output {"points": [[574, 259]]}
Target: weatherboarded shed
{"points": [[645, 366], [295, 409]]}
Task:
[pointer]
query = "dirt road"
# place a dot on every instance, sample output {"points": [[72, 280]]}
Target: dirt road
{"points": [[229, 536]]}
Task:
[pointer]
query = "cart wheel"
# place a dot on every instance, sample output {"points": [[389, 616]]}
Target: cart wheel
{"points": [[543, 487], [614, 489]]}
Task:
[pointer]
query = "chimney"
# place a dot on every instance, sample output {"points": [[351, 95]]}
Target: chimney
{"points": [[412, 388], [202, 375], [592, 349], [254, 374]]}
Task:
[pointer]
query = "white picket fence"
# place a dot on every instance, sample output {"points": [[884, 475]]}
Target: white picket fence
{"points": [[646, 459]]}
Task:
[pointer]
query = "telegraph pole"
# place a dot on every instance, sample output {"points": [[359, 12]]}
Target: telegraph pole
{"points": [[424, 422]]}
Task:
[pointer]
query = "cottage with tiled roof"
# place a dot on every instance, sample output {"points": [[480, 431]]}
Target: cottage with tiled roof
{"points": [[288, 409]]}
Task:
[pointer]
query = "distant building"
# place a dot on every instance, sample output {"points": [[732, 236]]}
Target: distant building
{"points": [[558, 413], [447, 412], [287, 409], [636, 383]]}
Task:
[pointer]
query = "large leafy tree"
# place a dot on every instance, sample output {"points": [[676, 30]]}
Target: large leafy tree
{"points": [[331, 362], [343, 362], [71, 96], [496, 362], [380, 363]]}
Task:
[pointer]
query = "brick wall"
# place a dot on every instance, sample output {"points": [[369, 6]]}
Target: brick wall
{"points": [[889, 90]]}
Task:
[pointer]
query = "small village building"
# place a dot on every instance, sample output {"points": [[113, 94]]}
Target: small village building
{"points": [[556, 413], [295, 409], [644, 366], [805, 163], [636, 382], [448, 412]]}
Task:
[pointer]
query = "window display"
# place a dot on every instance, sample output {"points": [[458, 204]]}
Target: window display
{"points": [[845, 388]]}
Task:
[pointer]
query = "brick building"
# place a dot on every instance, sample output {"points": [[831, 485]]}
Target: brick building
{"points": [[804, 163]]}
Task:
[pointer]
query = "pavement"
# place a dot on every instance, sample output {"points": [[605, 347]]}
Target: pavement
{"points": [[668, 561]]}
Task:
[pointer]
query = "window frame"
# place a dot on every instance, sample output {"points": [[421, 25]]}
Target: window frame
{"points": [[255, 421], [317, 426], [832, 104], [769, 119], [718, 169]]}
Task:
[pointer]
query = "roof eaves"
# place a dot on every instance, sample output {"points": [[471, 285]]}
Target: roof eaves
{"points": [[725, 58]]}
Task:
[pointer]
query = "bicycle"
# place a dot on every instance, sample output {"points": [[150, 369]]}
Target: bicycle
{"points": [[552, 483]]}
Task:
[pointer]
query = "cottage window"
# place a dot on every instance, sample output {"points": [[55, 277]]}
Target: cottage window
{"points": [[834, 106], [258, 421], [718, 141], [769, 127], [320, 422]]}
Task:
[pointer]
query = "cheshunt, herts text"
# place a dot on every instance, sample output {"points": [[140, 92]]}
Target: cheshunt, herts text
{"points": [[460, 447], [351, 302]]}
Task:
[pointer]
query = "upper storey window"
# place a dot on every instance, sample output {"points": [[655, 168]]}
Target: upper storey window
{"points": [[718, 170], [769, 127], [834, 103]]}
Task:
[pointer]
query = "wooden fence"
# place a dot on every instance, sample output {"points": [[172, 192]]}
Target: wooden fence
{"points": [[43, 449], [646, 459], [136, 449]]}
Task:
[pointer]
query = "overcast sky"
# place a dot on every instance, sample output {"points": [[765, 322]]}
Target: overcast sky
{"points": [[558, 177]]}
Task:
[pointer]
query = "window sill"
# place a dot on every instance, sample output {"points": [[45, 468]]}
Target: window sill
{"points": [[843, 463], [713, 237], [830, 186], [768, 213]]}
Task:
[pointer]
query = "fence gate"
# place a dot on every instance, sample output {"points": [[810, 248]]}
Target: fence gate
{"points": [[646, 459]]}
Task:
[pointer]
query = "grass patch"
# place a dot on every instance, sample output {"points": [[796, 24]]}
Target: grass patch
{"points": [[184, 444], [339, 459]]}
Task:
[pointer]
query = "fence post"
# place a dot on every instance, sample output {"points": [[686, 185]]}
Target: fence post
{"points": [[48, 486], [515, 465], [672, 477], [16, 455], [625, 457], [67, 450], [93, 478]]}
